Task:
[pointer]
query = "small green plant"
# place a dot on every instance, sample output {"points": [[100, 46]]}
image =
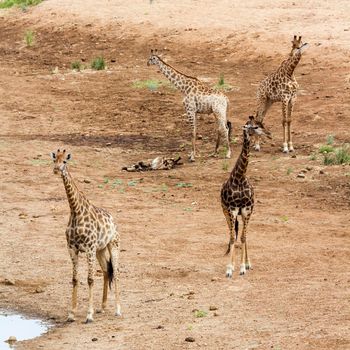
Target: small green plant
{"points": [[223, 152], [200, 313], [29, 38], [221, 85], [340, 155], [225, 166], [98, 63], [132, 183], [289, 171], [233, 140], [326, 149], [164, 187], [152, 84], [76, 65], [106, 180], [330, 139], [184, 184], [4, 4], [284, 218]]}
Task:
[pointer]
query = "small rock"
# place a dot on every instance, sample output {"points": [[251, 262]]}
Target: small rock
{"points": [[212, 308], [216, 314], [190, 339], [191, 292], [309, 168], [214, 279], [113, 60], [108, 144], [87, 181], [272, 144], [22, 215], [321, 171], [9, 282], [160, 327], [303, 171], [35, 216], [294, 156], [190, 297], [200, 137], [39, 290], [301, 175], [94, 339], [98, 150]]}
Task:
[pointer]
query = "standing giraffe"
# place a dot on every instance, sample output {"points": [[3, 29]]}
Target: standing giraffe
{"points": [[281, 86], [199, 98], [237, 197], [90, 230]]}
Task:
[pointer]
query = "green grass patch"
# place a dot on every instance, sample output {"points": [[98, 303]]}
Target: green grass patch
{"points": [[284, 218], [222, 85], [29, 38], [326, 149], [4, 4], [340, 155], [200, 313], [152, 84], [225, 166], [98, 63], [183, 184], [76, 65], [289, 171], [330, 140]]}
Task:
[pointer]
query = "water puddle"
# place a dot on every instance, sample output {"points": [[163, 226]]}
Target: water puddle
{"points": [[17, 327]]}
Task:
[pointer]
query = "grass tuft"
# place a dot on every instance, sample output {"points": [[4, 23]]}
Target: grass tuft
{"points": [[4, 4], [200, 313], [29, 38], [326, 149], [221, 85], [340, 155], [98, 63], [76, 65]]}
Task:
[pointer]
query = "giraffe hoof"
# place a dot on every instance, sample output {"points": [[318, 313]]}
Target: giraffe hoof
{"points": [[229, 274], [229, 271], [242, 270], [248, 266]]}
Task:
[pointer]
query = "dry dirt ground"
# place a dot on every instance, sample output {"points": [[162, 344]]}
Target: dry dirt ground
{"points": [[173, 236]]}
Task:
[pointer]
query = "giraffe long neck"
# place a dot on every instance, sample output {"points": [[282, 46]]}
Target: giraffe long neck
{"points": [[74, 196], [288, 66], [179, 80], [240, 169]]}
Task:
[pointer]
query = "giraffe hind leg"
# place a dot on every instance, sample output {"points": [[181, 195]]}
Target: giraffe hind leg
{"points": [[105, 263], [114, 249]]}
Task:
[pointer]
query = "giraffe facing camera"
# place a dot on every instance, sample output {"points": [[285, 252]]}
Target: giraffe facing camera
{"points": [[90, 230]]}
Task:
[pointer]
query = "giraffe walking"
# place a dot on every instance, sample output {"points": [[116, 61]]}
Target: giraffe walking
{"points": [[199, 98], [281, 86], [237, 198], [90, 230]]}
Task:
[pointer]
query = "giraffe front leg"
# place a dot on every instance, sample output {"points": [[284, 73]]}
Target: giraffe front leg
{"points": [[91, 258], [289, 122], [284, 124], [246, 212], [231, 217], [190, 107], [74, 257]]}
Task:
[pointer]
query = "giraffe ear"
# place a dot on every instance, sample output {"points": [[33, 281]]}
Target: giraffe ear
{"points": [[251, 117], [53, 155], [299, 38], [69, 157]]}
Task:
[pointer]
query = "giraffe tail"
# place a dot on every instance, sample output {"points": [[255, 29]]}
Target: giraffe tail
{"points": [[229, 127], [110, 273], [230, 243]]}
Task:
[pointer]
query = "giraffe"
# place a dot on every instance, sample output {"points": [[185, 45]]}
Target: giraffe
{"points": [[199, 98], [281, 86], [90, 230], [237, 197]]}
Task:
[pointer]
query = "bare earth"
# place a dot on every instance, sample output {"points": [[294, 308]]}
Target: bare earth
{"points": [[174, 237]]}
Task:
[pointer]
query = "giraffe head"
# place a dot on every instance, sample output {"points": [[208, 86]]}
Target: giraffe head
{"points": [[297, 45], [60, 160], [254, 127], [154, 58]]}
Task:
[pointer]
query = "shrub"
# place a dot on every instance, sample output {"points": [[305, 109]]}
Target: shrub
{"points": [[98, 63]]}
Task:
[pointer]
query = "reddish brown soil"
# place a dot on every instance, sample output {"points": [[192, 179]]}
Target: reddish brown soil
{"points": [[173, 238]]}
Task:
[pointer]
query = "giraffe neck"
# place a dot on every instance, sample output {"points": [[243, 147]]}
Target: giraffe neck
{"points": [[179, 80], [288, 66], [240, 169], [75, 198]]}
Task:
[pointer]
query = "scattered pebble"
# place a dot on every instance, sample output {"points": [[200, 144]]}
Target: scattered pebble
{"points": [[212, 308], [309, 168], [39, 290], [216, 314], [94, 339], [190, 297], [87, 181], [301, 175], [190, 339], [214, 279], [321, 171], [108, 144], [160, 327]]}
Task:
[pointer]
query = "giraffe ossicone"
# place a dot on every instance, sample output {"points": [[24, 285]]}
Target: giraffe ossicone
{"points": [[199, 99], [91, 230]]}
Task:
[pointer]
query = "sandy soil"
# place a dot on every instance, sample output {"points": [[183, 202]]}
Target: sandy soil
{"points": [[173, 237]]}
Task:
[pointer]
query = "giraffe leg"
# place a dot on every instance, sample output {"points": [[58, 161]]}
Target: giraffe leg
{"points": [[74, 256], [263, 106], [284, 124], [91, 258], [223, 129], [114, 250], [248, 264], [103, 261], [289, 122], [190, 107], [246, 212], [231, 217]]}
